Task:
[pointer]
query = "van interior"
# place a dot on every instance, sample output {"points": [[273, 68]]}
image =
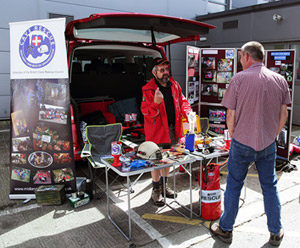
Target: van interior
{"points": [[106, 83]]}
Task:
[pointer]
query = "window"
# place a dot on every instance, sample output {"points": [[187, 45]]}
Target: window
{"points": [[214, 6], [297, 48]]}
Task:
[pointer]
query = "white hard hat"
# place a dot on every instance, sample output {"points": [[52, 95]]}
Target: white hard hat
{"points": [[149, 150]]}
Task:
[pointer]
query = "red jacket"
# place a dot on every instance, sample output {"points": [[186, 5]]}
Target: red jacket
{"points": [[155, 116]]}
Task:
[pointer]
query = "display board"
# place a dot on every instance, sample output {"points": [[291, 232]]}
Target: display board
{"points": [[218, 65], [192, 75], [41, 138], [283, 62]]}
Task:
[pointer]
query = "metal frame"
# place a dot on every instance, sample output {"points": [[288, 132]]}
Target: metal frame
{"points": [[189, 172], [129, 185]]}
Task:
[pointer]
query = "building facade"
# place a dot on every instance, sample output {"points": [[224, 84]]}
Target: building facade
{"points": [[275, 25], [19, 10]]}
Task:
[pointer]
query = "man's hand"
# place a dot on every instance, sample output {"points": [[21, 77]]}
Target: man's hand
{"points": [[230, 121], [158, 96]]}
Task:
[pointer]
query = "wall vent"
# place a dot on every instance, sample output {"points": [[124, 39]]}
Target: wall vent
{"points": [[231, 24]]}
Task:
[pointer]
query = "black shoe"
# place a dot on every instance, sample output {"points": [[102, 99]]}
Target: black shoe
{"points": [[275, 240], [225, 236]]}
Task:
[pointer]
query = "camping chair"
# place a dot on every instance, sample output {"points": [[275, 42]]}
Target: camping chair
{"points": [[99, 138], [204, 124]]}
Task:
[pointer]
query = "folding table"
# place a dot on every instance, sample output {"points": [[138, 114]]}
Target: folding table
{"points": [[140, 171]]}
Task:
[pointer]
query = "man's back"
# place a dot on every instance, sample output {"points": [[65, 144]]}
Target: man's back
{"points": [[256, 95]]}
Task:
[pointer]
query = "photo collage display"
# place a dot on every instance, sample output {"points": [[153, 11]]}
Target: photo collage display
{"points": [[193, 55], [41, 138], [217, 70], [282, 62]]}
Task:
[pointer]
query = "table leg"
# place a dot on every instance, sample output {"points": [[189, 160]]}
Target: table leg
{"points": [[188, 170], [200, 190], [191, 193], [129, 207], [108, 207]]}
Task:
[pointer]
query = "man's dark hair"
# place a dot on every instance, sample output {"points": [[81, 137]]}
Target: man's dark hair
{"points": [[255, 50]]}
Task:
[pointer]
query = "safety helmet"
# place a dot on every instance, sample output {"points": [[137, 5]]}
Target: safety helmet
{"points": [[149, 150]]}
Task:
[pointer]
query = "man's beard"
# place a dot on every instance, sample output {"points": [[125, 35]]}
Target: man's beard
{"points": [[165, 78]]}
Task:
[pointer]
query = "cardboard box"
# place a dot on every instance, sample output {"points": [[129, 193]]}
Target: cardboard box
{"points": [[50, 194], [77, 202]]}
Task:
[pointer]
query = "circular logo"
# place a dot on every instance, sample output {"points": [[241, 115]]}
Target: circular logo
{"points": [[37, 47], [115, 148]]}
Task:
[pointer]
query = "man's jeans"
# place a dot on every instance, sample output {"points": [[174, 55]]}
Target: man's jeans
{"points": [[240, 156]]}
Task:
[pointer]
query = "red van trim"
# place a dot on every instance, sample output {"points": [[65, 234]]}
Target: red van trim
{"points": [[189, 33]]}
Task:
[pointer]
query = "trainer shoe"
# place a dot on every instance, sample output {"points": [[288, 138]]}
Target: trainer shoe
{"points": [[169, 192], [275, 240], [157, 198], [225, 236]]}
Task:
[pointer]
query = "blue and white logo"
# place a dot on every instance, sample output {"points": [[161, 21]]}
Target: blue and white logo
{"points": [[37, 47]]}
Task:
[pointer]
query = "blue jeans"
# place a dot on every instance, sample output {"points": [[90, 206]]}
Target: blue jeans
{"points": [[240, 157]]}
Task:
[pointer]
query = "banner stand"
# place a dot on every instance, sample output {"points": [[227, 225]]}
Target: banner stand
{"points": [[41, 134]]}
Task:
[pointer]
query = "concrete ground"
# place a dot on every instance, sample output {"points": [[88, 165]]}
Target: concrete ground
{"points": [[31, 225]]}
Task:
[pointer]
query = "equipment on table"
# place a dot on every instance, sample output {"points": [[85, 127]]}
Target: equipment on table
{"points": [[227, 139], [149, 150], [116, 152], [190, 136]]}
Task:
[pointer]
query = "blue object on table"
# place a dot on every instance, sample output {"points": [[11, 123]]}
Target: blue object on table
{"points": [[190, 142], [138, 163]]}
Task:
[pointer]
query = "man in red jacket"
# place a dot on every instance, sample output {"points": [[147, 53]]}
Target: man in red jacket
{"points": [[163, 106]]}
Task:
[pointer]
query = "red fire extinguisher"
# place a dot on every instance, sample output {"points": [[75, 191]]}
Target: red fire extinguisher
{"points": [[211, 193]]}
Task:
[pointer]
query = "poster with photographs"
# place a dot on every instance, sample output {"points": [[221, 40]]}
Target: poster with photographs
{"points": [[221, 92], [192, 74], [209, 76], [19, 123], [197, 91], [20, 174], [191, 92], [63, 175], [218, 66], [225, 65], [42, 177], [208, 63], [224, 77], [283, 139], [18, 158], [41, 135], [209, 89], [217, 128], [283, 62], [52, 113]]}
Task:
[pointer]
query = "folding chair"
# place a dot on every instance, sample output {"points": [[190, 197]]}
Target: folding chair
{"points": [[99, 138]]}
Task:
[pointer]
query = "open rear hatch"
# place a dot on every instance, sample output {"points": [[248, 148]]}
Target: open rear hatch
{"points": [[136, 28]]}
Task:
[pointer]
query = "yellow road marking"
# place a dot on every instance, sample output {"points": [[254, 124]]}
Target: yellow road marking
{"points": [[250, 175], [207, 223], [173, 219]]}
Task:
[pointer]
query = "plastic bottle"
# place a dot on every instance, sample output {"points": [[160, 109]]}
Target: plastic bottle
{"points": [[89, 188]]}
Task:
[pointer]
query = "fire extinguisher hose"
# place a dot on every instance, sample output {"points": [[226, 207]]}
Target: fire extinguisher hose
{"points": [[221, 164]]}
